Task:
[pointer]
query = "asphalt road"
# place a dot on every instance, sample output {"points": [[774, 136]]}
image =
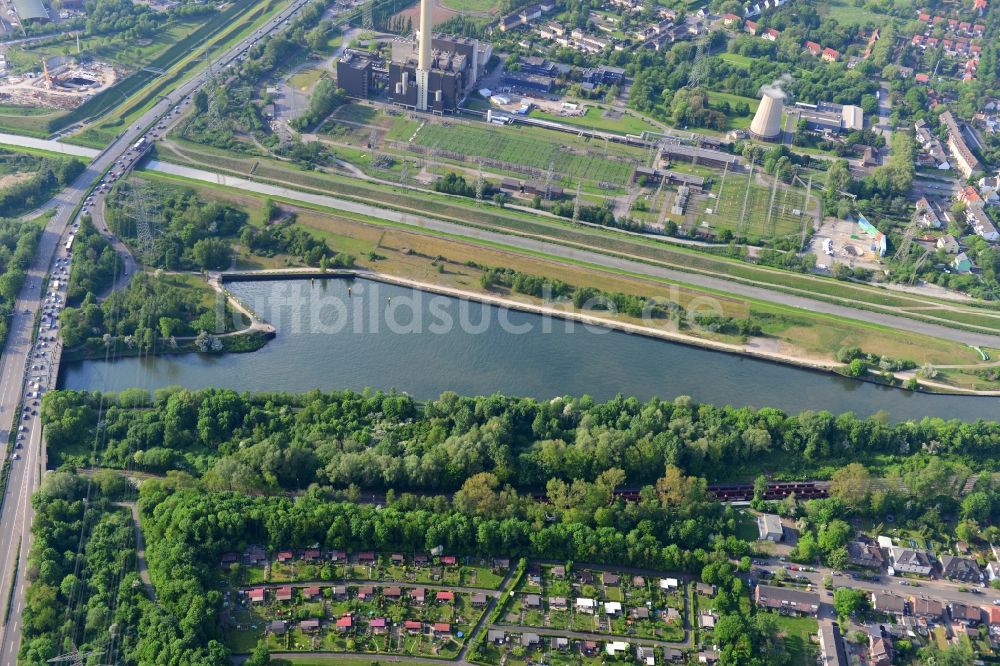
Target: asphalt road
{"points": [[16, 513], [616, 263]]}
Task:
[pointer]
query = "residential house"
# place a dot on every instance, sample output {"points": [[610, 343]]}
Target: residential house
{"points": [[961, 569], [910, 560], [831, 645], [975, 215], [530, 640], [560, 643], [614, 648], [311, 593], [610, 579], [366, 592], [586, 605], [256, 595], [339, 591], [496, 636], [588, 648], [638, 581], [397, 558], [645, 655], [787, 600], [993, 570], [366, 557], [705, 589], [613, 608], [888, 603], [993, 619], [283, 593], [962, 263], [930, 610], [532, 601], [813, 48], [378, 625], [769, 527], [422, 560], [730, 20], [413, 627], [706, 621], [671, 615], [831, 55], [669, 583], [277, 627], [640, 613], [255, 556], [444, 596], [284, 556], [345, 624], [708, 657], [449, 560], [441, 629], [309, 626], [970, 616], [750, 26], [559, 571], [989, 189], [312, 555], [864, 554], [393, 593], [478, 599], [925, 214], [419, 595], [558, 603], [966, 162], [501, 563], [338, 556], [672, 654], [770, 34], [879, 650], [948, 244]]}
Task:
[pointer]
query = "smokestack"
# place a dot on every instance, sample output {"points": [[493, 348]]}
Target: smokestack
{"points": [[426, 34], [766, 123]]}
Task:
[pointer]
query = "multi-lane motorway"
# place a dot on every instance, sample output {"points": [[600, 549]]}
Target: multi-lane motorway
{"points": [[26, 471]]}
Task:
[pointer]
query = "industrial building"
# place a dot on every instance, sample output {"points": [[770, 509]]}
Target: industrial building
{"points": [[677, 152], [829, 117], [31, 11], [360, 73], [766, 125], [437, 73]]}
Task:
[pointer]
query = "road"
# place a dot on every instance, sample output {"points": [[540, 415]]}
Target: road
{"points": [[611, 262], [25, 475]]}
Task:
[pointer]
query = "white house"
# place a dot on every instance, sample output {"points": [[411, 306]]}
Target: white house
{"points": [[586, 605]]}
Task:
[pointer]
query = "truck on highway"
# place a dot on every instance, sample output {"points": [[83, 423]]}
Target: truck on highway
{"points": [[140, 143]]}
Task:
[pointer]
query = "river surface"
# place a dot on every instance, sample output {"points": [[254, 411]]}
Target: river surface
{"points": [[384, 336]]}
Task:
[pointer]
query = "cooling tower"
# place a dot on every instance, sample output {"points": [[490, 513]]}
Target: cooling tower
{"points": [[766, 123]]}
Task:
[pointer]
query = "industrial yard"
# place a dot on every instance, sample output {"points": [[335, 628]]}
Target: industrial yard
{"points": [[65, 86]]}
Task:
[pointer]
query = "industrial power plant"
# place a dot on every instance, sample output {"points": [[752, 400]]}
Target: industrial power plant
{"points": [[432, 73], [766, 125]]}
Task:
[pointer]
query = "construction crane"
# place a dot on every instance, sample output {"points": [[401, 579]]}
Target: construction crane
{"points": [[48, 77]]}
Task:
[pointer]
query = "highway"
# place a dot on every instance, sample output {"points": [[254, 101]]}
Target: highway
{"points": [[26, 472]]}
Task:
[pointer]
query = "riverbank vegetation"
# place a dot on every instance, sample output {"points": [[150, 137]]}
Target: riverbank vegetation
{"points": [[190, 233], [18, 240], [153, 313], [376, 441]]}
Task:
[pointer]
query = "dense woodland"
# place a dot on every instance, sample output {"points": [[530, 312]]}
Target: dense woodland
{"points": [[95, 263], [17, 250], [373, 440], [152, 307], [48, 175]]}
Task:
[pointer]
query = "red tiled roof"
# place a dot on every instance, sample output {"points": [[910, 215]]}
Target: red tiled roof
{"points": [[445, 595]]}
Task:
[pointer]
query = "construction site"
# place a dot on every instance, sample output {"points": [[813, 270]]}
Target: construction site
{"points": [[64, 86]]}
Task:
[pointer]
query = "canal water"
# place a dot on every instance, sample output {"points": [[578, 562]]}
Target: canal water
{"points": [[353, 334]]}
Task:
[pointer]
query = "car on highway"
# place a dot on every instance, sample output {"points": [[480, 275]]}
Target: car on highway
{"points": [[17, 456]]}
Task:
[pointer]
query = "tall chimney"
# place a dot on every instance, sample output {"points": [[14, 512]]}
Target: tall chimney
{"points": [[426, 34]]}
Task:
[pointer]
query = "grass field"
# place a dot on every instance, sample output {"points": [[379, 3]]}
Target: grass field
{"points": [[306, 78], [478, 6], [594, 119], [848, 13], [737, 59], [796, 633], [586, 162]]}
